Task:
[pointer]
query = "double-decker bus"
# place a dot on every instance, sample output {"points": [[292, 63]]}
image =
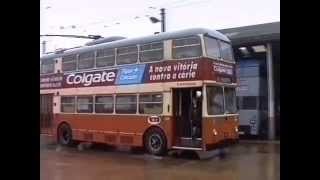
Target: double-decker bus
{"points": [[173, 90]]}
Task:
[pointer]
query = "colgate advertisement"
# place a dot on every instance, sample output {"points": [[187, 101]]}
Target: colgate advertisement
{"points": [[167, 71], [87, 79]]}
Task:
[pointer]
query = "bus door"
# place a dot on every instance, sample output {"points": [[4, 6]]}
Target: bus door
{"points": [[46, 113], [187, 111]]}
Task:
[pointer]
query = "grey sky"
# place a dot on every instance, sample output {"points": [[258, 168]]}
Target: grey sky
{"points": [[101, 16]]}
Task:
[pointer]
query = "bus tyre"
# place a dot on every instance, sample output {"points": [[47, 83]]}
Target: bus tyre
{"points": [[65, 135], [155, 142]]}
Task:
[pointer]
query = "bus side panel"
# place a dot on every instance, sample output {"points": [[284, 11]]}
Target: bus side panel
{"points": [[169, 128], [111, 129]]}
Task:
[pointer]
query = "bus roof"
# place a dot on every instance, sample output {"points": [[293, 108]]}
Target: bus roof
{"points": [[140, 40]]}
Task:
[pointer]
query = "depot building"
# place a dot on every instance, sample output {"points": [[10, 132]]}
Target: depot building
{"points": [[257, 53]]}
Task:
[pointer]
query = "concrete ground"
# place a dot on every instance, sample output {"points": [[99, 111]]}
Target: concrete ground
{"points": [[244, 161]]}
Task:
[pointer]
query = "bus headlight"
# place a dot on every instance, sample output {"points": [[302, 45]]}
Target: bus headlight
{"points": [[215, 132], [236, 129]]}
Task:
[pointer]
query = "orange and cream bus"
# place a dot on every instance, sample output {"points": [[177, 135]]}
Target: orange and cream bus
{"points": [[173, 90]]}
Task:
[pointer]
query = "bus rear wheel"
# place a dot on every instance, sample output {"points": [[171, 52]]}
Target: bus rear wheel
{"points": [[65, 135], [155, 142]]}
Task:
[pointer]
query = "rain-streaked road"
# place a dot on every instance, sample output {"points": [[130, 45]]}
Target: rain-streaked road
{"points": [[245, 161]]}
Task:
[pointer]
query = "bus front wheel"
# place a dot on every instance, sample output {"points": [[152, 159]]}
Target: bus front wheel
{"points": [[155, 142], [65, 135]]}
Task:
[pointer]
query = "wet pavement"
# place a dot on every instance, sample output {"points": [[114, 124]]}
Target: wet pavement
{"points": [[244, 161]]}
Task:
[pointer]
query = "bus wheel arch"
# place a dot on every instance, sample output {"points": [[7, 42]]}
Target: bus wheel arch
{"points": [[155, 140], [64, 134]]}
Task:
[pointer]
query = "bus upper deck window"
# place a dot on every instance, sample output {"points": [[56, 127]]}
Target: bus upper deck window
{"points": [[226, 51], [105, 57], [69, 63], [47, 66], [212, 47], [127, 55], [186, 47], [86, 60], [151, 52]]}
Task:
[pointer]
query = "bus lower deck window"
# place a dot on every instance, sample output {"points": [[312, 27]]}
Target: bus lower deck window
{"points": [[84, 104], [104, 104], [68, 104], [215, 100], [126, 104], [150, 104]]}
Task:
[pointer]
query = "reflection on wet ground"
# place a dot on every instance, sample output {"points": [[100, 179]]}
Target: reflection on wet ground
{"points": [[245, 161]]}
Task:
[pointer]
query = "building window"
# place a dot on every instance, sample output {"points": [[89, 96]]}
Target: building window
{"points": [[186, 47], [126, 104], [249, 103], [263, 103], [150, 104], [86, 60], [105, 57], [69, 63], [47, 66], [84, 104], [151, 52], [104, 104], [215, 100], [230, 100], [127, 55], [68, 104], [212, 47], [226, 51]]}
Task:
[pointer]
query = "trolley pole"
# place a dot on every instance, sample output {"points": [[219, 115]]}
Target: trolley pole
{"points": [[163, 20]]}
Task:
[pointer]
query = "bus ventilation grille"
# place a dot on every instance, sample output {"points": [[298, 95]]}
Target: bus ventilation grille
{"points": [[110, 138], [126, 139], [88, 136]]}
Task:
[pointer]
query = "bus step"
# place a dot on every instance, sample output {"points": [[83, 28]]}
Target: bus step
{"points": [[187, 148], [189, 142]]}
